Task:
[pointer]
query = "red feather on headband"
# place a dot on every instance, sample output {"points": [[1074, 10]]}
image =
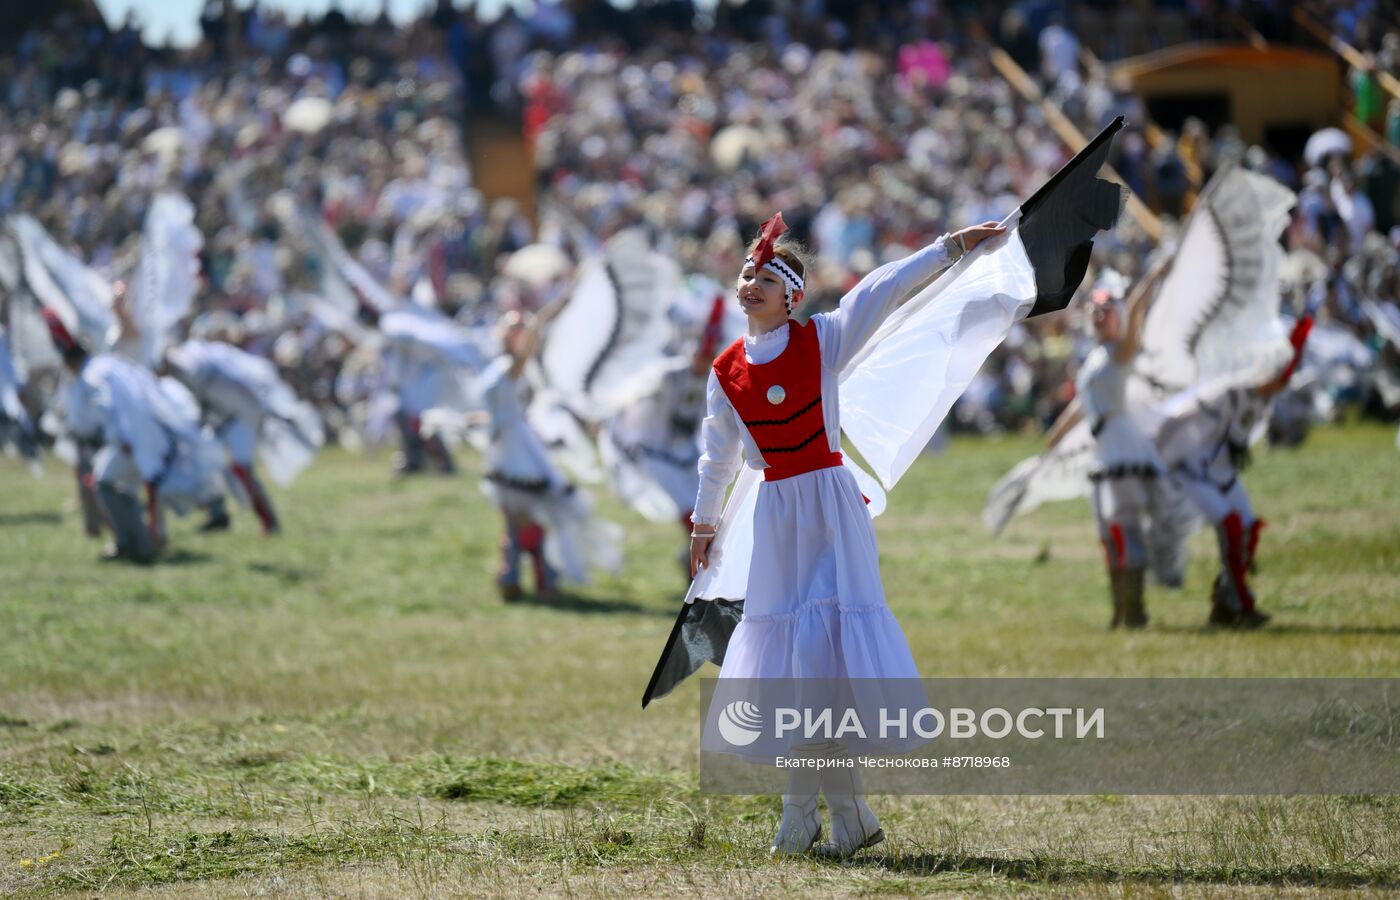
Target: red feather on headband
{"points": [[768, 240]]}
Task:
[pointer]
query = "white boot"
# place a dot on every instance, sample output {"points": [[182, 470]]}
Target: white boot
{"points": [[802, 822], [853, 823]]}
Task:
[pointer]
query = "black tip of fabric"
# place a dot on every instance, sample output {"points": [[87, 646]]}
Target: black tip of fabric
{"points": [[1076, 264], [1059, 221], [700, 634]]}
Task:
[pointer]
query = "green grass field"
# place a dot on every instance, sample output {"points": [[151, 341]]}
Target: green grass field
{"points": [[349, 710]]}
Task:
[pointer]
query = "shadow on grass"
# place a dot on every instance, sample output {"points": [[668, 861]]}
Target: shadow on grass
{"points": [[565, 601], [1050, 870], [182, 556], [1277, 628], [291, 574], [34, 517]]}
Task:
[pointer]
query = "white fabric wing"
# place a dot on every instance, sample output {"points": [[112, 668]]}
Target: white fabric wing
{"points": [[937, 341], [30, 343], [724, 577], [633, 484], [870, 489], [10, 406], [286, 446], [1386, 319], [60, 281], [1216, 315], [167, 274], [452, 343], [1060, 473], [562, 435], [344, 281], [606, 349]]}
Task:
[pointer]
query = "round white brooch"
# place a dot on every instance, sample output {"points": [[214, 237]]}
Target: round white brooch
{"points": [[776, 394]]}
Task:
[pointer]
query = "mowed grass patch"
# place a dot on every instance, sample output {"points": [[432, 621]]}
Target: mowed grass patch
{"points": [[349, 707]]}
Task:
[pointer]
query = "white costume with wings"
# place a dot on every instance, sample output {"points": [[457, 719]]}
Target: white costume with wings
{"points": [[1213, 333], [793, 565], [527, 487], [249, 407], [147, 432], [814, 603]]}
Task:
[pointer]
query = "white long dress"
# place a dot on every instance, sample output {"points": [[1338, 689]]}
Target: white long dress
{"points": [[815, 606]]}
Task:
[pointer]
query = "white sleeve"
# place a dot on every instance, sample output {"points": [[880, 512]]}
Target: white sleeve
{"points": [[721, 453], [489, 384], [870, 302]]}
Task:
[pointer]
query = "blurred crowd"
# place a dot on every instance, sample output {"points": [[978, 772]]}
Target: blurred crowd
{"points": [[1371, 28], [874, 127], [875, 137], [359, 121]]}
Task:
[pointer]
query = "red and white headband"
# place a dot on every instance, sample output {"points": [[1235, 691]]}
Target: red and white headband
{"points": [[764, 256]]}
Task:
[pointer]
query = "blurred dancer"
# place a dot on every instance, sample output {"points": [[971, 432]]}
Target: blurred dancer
{"points": [[546, 518], [1205, 443], [1126, 471], [145, 442], [248, 407], [425, 356], [652, 446]]}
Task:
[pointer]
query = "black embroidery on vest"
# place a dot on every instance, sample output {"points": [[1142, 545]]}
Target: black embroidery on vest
{"points": [[793, 449], [762, 422]]}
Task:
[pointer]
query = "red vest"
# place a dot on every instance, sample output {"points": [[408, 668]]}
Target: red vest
{"points": [[780, 403]]}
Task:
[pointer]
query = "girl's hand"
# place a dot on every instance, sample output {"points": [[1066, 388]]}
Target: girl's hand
{"points": [[700, 540], [973, 235]]}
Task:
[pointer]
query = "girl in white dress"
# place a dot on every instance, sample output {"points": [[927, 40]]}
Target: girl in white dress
{"points": [[815, 606]]}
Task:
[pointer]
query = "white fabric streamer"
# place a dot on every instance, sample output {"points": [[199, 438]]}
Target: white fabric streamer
{"points": [[80, 297], [167, 274], [937, 341], [1216, 314], [236, 383], [606, 348]]}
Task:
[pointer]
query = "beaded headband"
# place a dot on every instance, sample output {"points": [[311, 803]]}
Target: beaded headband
{"points": [[764, 256]]}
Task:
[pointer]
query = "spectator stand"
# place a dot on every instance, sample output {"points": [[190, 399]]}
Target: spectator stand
{"points": [[1067, 131], [1356, 121]]}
